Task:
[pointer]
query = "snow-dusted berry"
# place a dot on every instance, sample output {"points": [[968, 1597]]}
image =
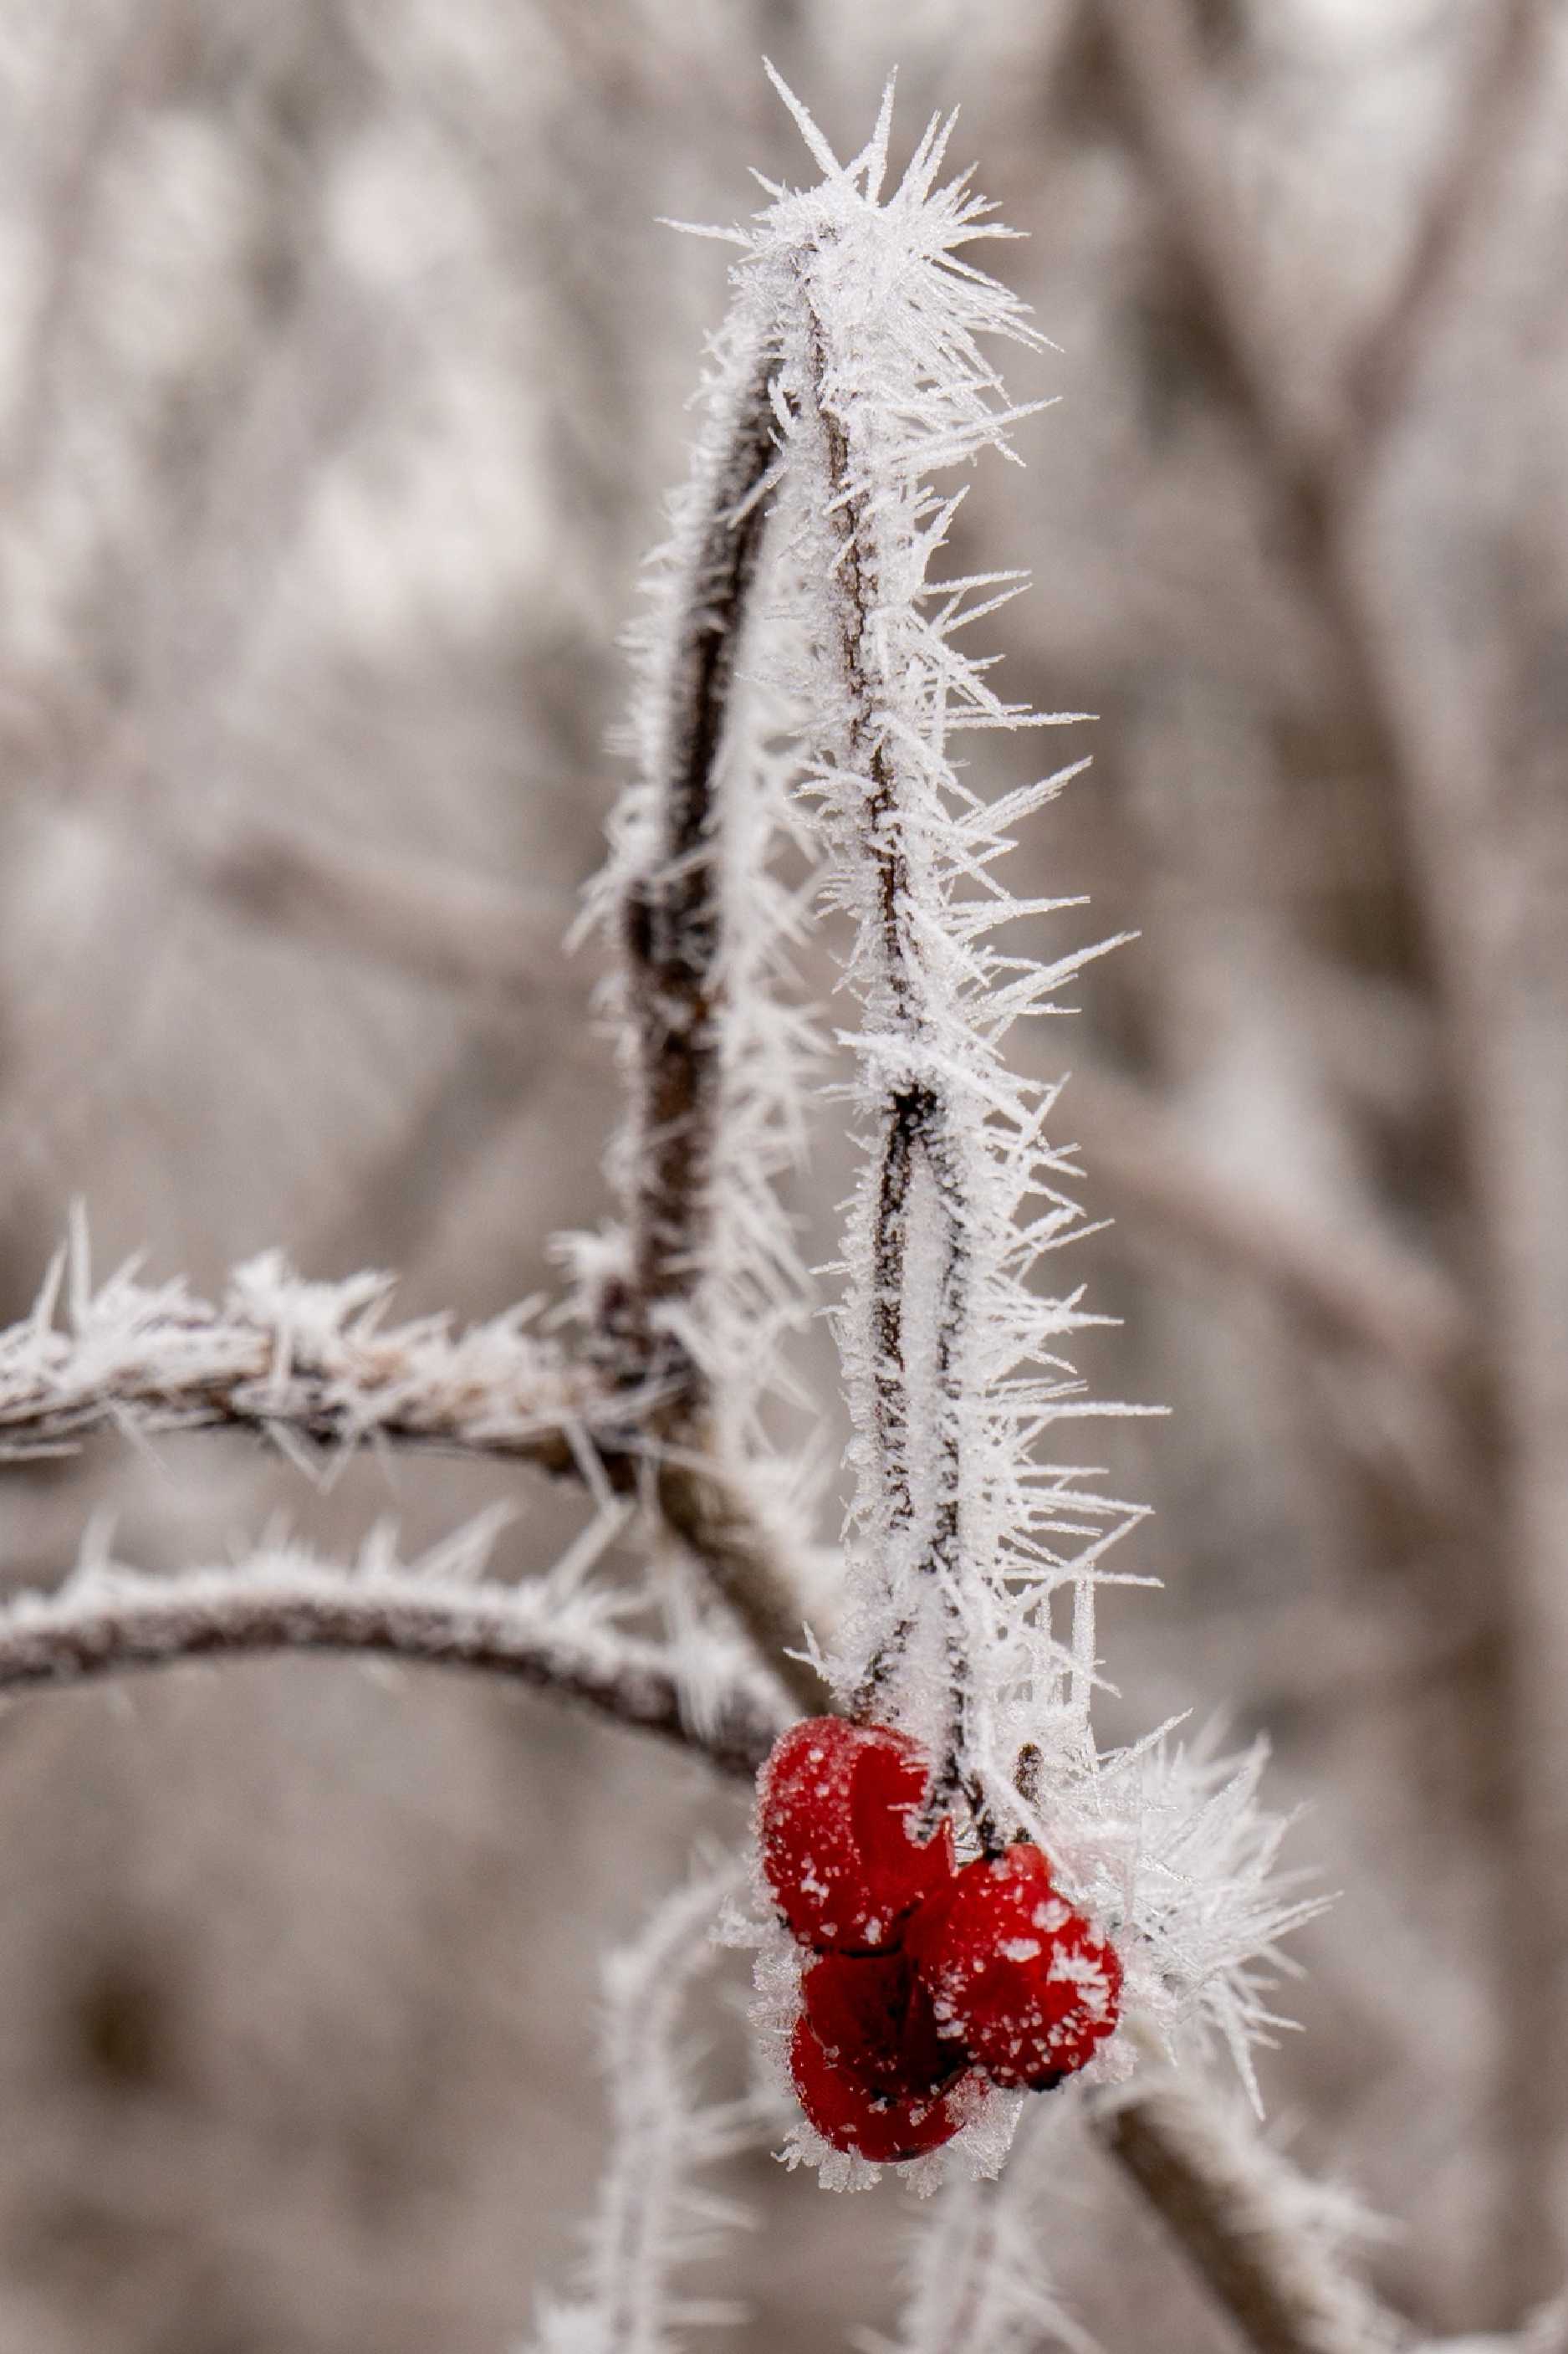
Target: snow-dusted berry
{"points": [[839, 1806], [875, 2021], [1013, 1972], [881, 2126]]}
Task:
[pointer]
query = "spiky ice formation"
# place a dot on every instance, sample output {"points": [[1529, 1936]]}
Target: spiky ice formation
{"points": [[952, 1357], [712, 1043], [656, 2214]]}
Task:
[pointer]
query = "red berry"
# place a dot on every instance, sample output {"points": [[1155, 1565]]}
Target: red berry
{"points": [[1014, 1972], [875, 2126], [839, 1805], [875, 2020]]}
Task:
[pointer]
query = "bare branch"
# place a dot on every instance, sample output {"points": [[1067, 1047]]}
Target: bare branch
{"points": [[1379, 378], [1441, 761], [1359, 1286], [1155, 55], [441, 926], [104, 1623]]}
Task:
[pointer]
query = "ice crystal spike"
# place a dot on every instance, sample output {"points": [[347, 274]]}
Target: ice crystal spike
{"points": [[969, 1547], [656, 2215]]}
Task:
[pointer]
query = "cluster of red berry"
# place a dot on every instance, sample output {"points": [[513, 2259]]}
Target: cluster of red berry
{"points": [[926, 1979]]}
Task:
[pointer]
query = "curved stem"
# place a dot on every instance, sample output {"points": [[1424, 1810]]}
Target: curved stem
{"points": [[102, 1624]]}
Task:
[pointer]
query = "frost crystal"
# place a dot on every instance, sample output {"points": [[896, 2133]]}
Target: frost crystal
{"points": [[977, 2281], [655, 2215]]}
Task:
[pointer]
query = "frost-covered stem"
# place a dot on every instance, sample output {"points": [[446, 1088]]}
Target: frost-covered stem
{"points": [[978, 2275], [913, 1120], [655, 2216], [676, 1001], [311, 1363], [312, 1366], [101, 1624], [1217, 2193], [915, 1136], [671, 930]]}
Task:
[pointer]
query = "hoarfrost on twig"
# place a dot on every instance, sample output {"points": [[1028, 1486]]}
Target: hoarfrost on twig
{"points": [[555, 1632], [654, 2215]]}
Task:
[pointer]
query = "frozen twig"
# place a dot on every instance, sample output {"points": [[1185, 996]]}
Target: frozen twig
{"points": [[709, 1058], [655, 2216], [949, 1353], [673, 913], [311, 1363], [105, 1622], [979, 2282], [314, 1366]]}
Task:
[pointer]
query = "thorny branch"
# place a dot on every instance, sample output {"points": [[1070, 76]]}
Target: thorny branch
{"points": [[1323, 467]]}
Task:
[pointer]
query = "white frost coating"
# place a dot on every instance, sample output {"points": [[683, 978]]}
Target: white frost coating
{"points": [[655, 2216], [310, 1361], [951, 1360], [745, 1288], [969, 1616], [978, 2283], [559, 1630]]}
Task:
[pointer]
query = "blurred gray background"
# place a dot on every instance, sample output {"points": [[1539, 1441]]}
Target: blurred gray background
{"points": [[343, 367]]}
